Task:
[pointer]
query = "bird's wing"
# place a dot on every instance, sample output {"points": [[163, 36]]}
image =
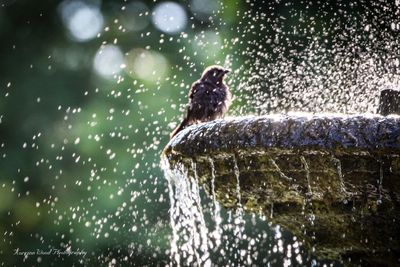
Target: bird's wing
{"points": [[196, 86]]}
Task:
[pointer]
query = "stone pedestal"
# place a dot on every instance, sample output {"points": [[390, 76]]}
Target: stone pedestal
{"points": [[389, 102], [334, 181]]}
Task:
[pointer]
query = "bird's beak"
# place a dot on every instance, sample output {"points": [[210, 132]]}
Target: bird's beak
{"points": [[227, 71]]}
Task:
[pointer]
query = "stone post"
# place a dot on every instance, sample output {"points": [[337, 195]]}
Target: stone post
{"points": [[389, 102]]}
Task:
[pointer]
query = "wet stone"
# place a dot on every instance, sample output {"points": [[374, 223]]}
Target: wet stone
{"points": [[333, 181]]}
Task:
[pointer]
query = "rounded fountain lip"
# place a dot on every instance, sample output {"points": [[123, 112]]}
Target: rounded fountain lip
{"points": [[301, 131]]}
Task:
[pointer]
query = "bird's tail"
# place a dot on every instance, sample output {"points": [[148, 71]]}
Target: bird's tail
{"points": [[180, 127]]}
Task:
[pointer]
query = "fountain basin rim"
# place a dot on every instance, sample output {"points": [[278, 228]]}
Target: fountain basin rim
{"points": [[327, 133]]}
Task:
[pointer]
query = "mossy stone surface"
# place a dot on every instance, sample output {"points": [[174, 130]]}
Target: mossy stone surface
{"points": [[334, 181]]}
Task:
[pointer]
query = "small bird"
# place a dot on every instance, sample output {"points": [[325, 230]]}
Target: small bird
{"points": [[209, 98]]}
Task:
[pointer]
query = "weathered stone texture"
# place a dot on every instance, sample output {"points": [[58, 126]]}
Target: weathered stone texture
{"points": [[333, 181]]}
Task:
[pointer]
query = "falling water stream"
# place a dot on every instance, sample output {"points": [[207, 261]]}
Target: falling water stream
{"points": [[206, 234]]}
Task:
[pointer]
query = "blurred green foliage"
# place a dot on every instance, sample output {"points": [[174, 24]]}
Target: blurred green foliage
{"points": [[79, 152]]}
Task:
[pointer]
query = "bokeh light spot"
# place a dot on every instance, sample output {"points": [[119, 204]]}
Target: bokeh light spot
{"points": [[169, 17], [147, 65], [108, 60], [83, 21]]}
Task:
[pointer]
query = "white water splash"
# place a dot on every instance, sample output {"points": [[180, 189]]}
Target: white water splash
{"points": [[189, 244]]}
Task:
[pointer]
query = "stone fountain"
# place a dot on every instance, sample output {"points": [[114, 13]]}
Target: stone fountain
{"points": [[332, 180]]}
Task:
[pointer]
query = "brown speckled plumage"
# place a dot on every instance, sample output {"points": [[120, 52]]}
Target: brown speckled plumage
{"points": [[209, 98]]}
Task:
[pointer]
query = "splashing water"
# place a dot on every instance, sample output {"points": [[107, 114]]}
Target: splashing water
{"points": [[308, 57], [189, 244], [80, 161], [216, 216], [316, 56], [190, 236], [205, 234]]}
